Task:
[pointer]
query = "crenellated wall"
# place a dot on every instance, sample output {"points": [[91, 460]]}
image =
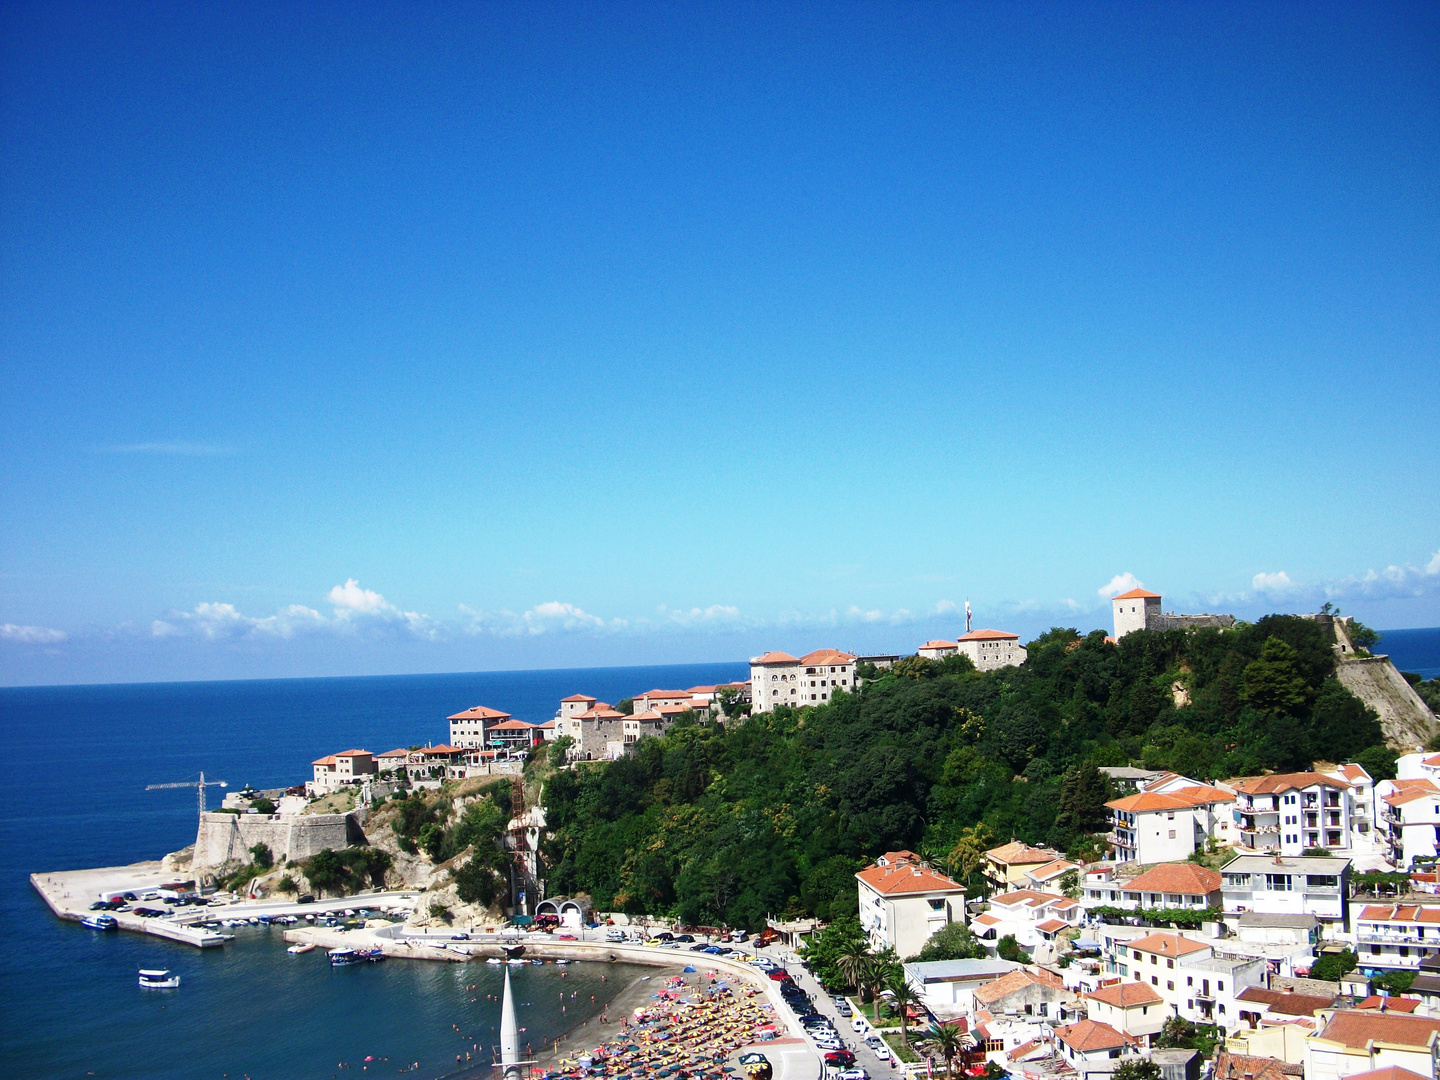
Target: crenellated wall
{"points": [[224, 838]]}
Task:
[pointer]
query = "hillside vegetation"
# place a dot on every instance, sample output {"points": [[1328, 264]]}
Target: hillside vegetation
{"points": [[774, 815]]}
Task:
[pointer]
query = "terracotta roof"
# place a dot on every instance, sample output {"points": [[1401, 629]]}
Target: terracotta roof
{"points": [[1017, 854], [1024, 1050], [1390, 1072], [1356, 1029], [1091, 1035], [1244, 1067], [1137, 594], [676, 694], [704, 689], [1410, 913], [1126, 995], [1053, 869], [1183, 878], [1282, 1003], [1166, 945], [513, 725], [775, 658], [1029, 897], [1356, 774], [1050, 926], [1012, 981], [672, 710], [1390, 1004], [986, 919], [940, 645], [441, 749], [480, 712], [329, 759], [354, 753], [1433, 759], [988, 635], [1150, 801], [1410, 794], [578, 697], [827, 656], [1270, 785], [906, 877], [402, 752], [598, 713]]}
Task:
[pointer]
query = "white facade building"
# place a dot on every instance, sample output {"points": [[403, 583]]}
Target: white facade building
{"points": [[1293, 812], [1133, 610], [1157, 826], [991, 649], [469, 727], [903, 902], [1032, 918], [777, 678], [1354, 1042], [1272, 885], [1409, 821], [1397, 936], [1187, 975], [337, 770]]}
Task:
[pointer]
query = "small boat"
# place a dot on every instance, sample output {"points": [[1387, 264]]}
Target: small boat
{"points": [[562, 961], [100, 922], [344, 957], [495, 960], [304, 948], [374, 956], [158, 979]]}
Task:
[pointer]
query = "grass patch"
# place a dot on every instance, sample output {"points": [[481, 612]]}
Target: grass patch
{"points": [[906, 1054]]}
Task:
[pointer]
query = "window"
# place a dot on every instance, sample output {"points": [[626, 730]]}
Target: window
{"points": [[1172, 834], [1154, 981], [1169, 963], [1277, 882], [1321, 881], [1220, 986], [1169, 986]]}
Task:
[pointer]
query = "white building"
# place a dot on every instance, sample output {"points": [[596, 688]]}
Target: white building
{"points": [[777, 678], [469, 727], [947, 987], [991, 649], [1397, 935], [1092, 1047], [1032, 918], [938, 649], [1166, 826], [1354, 1042], [1133, 610], [1293, 812], [337, 770], [1192, 981], [1169, 885], [1273, 885], [1409, 821], [1131, 1008], [903, 902]]}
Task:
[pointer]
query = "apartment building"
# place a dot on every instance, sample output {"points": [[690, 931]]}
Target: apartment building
{"points": [[1189, 977], [1409, 824], [1169, 885], [1156, 826], [1275, 885], [777, 678], [903, 901], [1397, 936], [1090, 1047], [1032, 918], [1132, 1008], [1293, 812], [1354, 1042], [334, 771], [567, 716], [468, 727], [1006, 867]]}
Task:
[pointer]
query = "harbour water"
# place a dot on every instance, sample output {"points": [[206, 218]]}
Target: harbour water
{"points": [[77, 764]]}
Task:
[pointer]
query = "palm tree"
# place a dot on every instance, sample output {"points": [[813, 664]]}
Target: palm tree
{"points": [[852, 964], [949, 1042], [903, 997], [876, 974]]}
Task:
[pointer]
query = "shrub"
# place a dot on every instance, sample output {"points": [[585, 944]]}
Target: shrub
{"points": [[1009, 949], [287, 884], [262, 805], [262, 856], [1332, 966], [441, 912]]}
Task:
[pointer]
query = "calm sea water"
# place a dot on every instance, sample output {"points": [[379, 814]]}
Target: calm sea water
{"points": [[78, 760], [1413, 650]]}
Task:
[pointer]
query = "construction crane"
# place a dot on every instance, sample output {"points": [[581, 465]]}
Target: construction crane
{"points": [[201, 784]]}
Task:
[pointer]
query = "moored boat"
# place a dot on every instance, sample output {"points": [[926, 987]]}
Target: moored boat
{"points": [[304, 947], [158, 979], [344, 957], [100, 922]]}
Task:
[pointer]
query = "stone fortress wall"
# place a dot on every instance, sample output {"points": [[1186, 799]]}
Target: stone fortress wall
{"points": [[226, 838]]}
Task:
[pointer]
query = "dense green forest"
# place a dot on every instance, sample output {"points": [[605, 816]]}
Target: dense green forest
{"points": [[774, 814]]}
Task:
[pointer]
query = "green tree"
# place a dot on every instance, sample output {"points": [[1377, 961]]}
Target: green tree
{"points": [[825, 951], [875, 972], [559, 749], [949, 1041], [1007, 948], [1333, 966], [262, 805], [1083, 796], [1273, 682], [1378, 761], [1361, 636], [968, 854], [902, 996], [1137, 1069], [852, 958], [1395, 982], [262, 856], [953, 942]]}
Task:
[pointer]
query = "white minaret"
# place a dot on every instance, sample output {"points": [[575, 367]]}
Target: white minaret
{"points": [[509, 1035]]}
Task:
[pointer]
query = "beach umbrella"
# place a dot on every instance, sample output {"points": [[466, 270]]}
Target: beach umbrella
{"points": [[690, 969]]}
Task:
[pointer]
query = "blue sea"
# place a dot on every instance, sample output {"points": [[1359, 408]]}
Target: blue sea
{"points": [[78, 759], [1416, 651]]}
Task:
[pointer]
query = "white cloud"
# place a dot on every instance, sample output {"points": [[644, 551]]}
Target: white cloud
{"points": [[555, 615], [1118, 584], [714, 615], [30, 635], [945, 607], [353, 598], [1433, 566], [1276, 584]]}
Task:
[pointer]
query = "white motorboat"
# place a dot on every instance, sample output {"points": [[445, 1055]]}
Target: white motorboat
{"points": [[100, 922], [495, 960], [158, 979], [304, 948]]}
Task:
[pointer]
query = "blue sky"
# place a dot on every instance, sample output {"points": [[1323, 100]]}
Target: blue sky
{"points": [[593, 334]]}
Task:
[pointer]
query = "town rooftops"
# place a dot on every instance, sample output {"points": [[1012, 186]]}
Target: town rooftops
{"points": [[1408, 913], [1185, 879], [479, 712], [1015, 980], [1171, 945], [1389, 1004], [1137, 594], [332, 759], [774, 658], [1269, 864], [1278, 782], [906, 876], [944, 971], [578, 697], [827, 656], [1285, 1003], [1090, 1036], [1416, 789], [1244, 1067], [513, 725], [1126, 995], [988, 635], [1186, 798], [1017, 854], [1033, 898], [1358, 1030]]}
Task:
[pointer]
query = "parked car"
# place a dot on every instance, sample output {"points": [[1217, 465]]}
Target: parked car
{"points": [[614, 935], [842, 1059], [460, 937], [843, 1008], [687, 938], [565, 937], [854, 1074], [779, 974], [306, 899], [859, 1024]]}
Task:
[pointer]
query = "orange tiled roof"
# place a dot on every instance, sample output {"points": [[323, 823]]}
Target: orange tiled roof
{"points": [[354, 753], [1184, 878], [1244, 1067], [1090, 1035], [479, 712], [1421, 790], [1356, 1029], [1270, 785], [827, 656], [1126, 995], [1390, 1004], [1017, 854], [1150, 801], [328, 759], [1284, 1003], [940, 645], [513, 725], [1166, 945], [1137, 594], [1051, 926], [1028, 897], [988, 635], [1011, 981], [906, 877], [402, 752], [775, 658], [1410, 913], [1390, 1072], [578, 697]]}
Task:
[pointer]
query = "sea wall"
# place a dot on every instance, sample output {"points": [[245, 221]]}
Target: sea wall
{"points": [[226, 838], [1404, 716]]}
